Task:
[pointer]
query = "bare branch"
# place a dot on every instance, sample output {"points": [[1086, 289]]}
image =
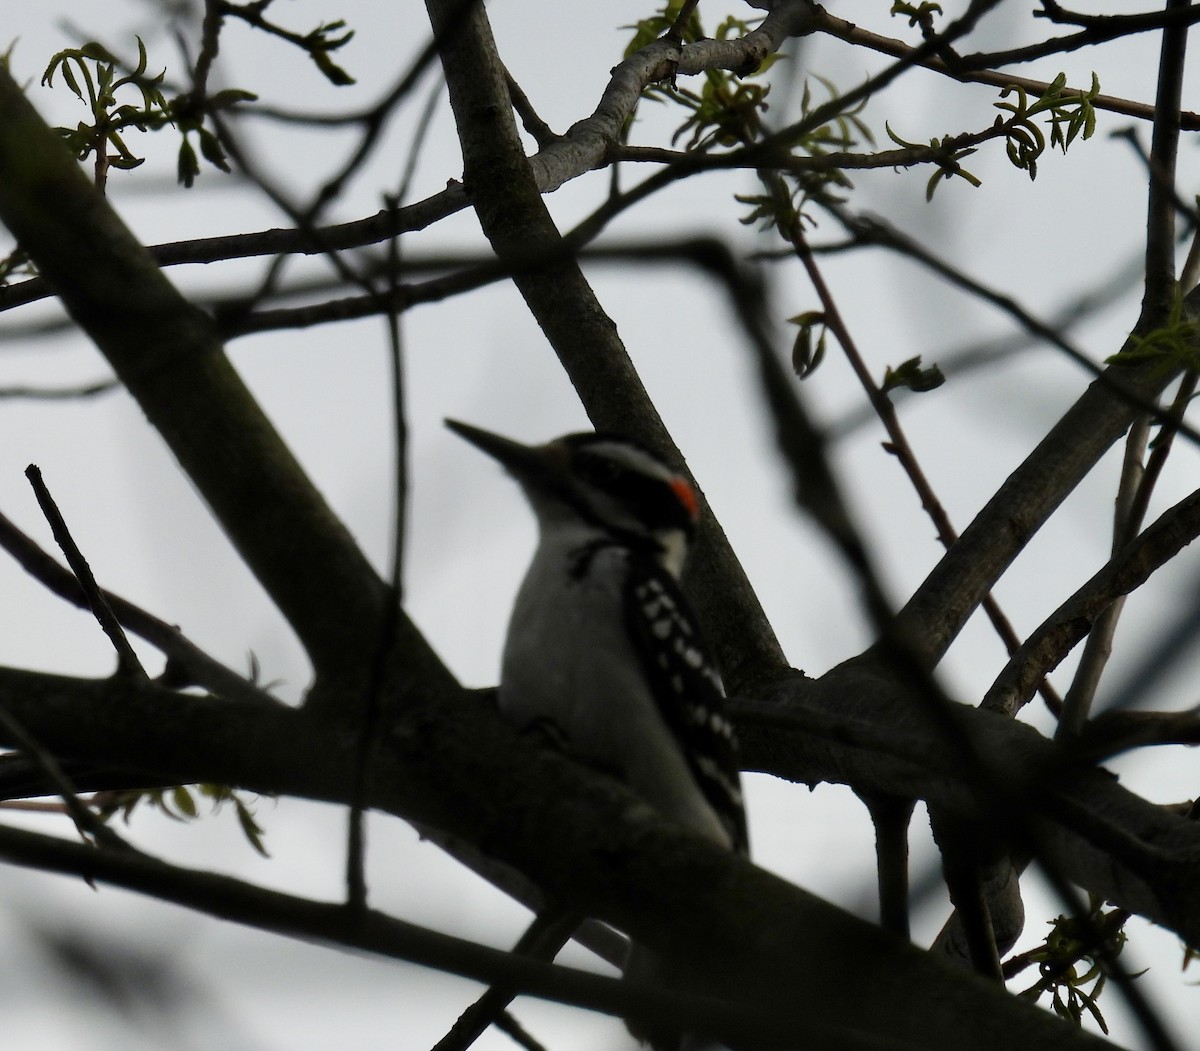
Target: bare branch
{"points": [[1160, 221], [186, 662], [166, 353], [1078, 700], [1129, 569], [127, 660], [544, 937]]}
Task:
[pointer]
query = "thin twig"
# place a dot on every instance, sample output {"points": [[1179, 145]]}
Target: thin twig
{"points": [[187, 664], [853, 34], [1189, 276], [86, 822], [541, 132], [374, 121], [356, 885], [961, 864], [542, 940], [1066, 626], [898, 444], [1161, 448], [1096, 651], [86, 390], [513, 1029], [817, 492], [1098, 29], [127, 661]]}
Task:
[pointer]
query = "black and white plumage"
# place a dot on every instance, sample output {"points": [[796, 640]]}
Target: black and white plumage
{"points": [[602, 648]]}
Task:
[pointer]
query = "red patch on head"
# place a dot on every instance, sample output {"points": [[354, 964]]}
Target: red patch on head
{"points": [[686, 495]]}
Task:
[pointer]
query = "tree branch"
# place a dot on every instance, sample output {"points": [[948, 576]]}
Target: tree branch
{"points": [[941, 605], [1128, 569], [513, 216], [968, 70], [750, 935], [166, 353], [187, 663], [127, 660], [1160, 221]]}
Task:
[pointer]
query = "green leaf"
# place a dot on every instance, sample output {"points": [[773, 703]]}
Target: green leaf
{"points": [[902, 142], [1175, 344], [250, 828], [230, 97], [910, 374], [183, 801], [123, 163], [210, 146], [97, 52], [333, 72], [807, 355], [188, 166], [70, 81]]}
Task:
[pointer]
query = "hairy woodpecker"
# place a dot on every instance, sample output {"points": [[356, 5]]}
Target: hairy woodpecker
{"points": [[602, 649]]}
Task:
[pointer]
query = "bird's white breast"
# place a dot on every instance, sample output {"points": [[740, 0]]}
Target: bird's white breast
{"points": [[569, 660]]}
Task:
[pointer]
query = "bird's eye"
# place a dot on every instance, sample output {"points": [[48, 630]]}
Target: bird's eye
{"points": [[601, 469]]}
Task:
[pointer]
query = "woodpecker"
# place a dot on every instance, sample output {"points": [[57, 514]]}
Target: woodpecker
{"points": [[602, 650]]}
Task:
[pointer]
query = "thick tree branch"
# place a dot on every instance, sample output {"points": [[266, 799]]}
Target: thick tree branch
{"points": [[852, 726], [613, 858], [513, 216], [166, 353]]}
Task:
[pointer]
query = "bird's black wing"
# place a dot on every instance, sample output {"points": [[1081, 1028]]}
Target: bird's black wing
{"points": [[688, 688]]}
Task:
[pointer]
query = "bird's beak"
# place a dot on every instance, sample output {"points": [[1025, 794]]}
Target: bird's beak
{"points": [[524, 462]]}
